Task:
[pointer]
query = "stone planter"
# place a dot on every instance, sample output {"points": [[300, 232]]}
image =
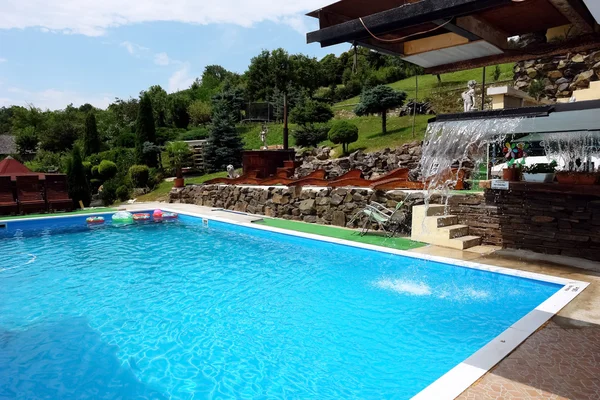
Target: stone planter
{"points": [[539, 178], [576, 178]]}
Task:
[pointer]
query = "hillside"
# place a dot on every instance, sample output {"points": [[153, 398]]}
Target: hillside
{"points": [[399, 128], [429, 83]]}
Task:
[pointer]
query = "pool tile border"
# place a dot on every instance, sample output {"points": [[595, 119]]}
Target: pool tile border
{"points": [[461, 377]]}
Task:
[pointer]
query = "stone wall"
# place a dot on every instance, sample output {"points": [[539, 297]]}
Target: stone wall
{"points": [[551, 223], [324, 206], [373, 164], [328, 206], [561, 75]]}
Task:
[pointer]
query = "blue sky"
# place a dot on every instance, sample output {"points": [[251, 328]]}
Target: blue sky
{"points": [[52, 55]]}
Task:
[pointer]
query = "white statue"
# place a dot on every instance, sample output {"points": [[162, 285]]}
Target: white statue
{"points": [[263, 137], [469, 97], [231, 172]]}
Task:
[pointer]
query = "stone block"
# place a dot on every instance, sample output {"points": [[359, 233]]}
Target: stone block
{"points": [[307, 207], [338, 218]]}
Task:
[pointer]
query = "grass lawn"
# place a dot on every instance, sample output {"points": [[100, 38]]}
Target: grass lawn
{"points": [[370, 136], [428, 83], [72, 213], [397, 243], [161, 193]]}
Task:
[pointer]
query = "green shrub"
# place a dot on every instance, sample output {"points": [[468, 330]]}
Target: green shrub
{"points": [[125, 139], [343, 132], [155, 177], [95, 172], [164, 135], [108, 195], [123, 193], [107, 169], [79, 189], [311, 111], [194, 134], [139, 175], [310, 135]]}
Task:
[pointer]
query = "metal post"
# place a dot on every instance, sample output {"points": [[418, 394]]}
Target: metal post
{"points": [[483, 91], [285, 122], [415, 105]]}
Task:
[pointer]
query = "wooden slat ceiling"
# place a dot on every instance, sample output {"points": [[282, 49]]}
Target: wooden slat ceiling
{"points": [[526, 17]]}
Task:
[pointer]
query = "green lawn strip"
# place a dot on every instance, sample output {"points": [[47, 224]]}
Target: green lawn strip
{"points": [[161, 192], [341, 233], [62, 214]]}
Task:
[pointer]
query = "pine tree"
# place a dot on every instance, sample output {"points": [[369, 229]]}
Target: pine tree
{"points": [[91, 141], [145, 132], [224, 145], [79, 188]]}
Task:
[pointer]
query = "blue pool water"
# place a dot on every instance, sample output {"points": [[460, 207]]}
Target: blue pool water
{"points": [[183, 311]]}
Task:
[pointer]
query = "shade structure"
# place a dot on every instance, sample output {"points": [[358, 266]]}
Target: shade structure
{"points": [[13, 168]]}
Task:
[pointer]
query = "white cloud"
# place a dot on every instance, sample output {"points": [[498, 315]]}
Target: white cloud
{"points": [[162, 59], [132, 48], [52, 99], [3, 60], [93, 17], [181, 79]]}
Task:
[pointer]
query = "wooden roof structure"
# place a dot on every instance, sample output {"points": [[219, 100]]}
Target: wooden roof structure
{"points": [[450, 35]]}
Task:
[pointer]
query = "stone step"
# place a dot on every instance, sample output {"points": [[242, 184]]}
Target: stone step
{"points": [[465, 242], [454, 231], [446, 220], [435, 210]]}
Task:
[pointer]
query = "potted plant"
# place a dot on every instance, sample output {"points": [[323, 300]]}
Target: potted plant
{"points": [[576, 178], [512, 172], [179, 155], [515, 154], [540, 173]]}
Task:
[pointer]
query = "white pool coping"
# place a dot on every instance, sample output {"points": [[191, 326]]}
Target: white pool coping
{"points": [[461, 377]]}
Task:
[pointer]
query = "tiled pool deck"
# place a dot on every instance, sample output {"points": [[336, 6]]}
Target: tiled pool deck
{"points": [[561, 360]]}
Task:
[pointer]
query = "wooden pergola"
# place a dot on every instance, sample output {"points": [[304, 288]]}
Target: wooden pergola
{"points": [[450, 35]]}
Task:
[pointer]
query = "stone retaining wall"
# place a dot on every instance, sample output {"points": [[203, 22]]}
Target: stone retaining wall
{"points": [[326, 206], [372, 165], [551, 223], [561, 75]]}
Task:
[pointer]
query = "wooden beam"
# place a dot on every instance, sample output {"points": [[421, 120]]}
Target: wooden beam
{"points": [[484, 30], [579, 44], [452, 27], [576, 13], [431, 43], [422, 12], [392, 49]]}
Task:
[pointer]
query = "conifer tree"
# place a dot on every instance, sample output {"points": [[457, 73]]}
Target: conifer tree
{"points": [[91, 141], [145, 131], [224, 145], [79, 188]]}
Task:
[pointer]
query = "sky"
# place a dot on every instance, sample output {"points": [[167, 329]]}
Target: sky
{"points": [[56, 52]]}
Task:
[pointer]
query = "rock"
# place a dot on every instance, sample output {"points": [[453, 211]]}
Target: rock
{"points": [[563, 87], [310, 218], [323, 201], [532, 72], [279, 199], [562, 64], [338, 218], [561, 81], [554, 74], [583, 79], [579, 58], [541, 219], [336, 199], [593, 57], [307, 206], [521, 84]]}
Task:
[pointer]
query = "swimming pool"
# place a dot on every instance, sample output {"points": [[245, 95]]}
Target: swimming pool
{"points": [[193, 310]]}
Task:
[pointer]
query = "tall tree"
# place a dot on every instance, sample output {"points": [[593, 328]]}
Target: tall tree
{"points": [[269, 71], [160, 104], [179, 111], [380, 99], [91, 140], [145, 132], [79, 188], [224, 145]]}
